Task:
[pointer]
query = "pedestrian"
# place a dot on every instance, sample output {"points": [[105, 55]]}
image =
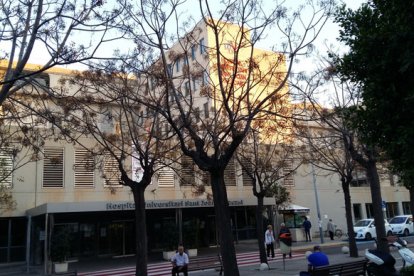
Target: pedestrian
{"points": [[285, 241], [331, 229], [180, 262], [316, 259], [269, 241], [307, 226]]}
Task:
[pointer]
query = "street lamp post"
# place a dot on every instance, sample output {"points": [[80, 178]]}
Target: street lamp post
{"points": [[317, 203]]}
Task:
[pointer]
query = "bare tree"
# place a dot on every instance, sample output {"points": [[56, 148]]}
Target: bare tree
{"points": [[64, 32], [334, 145], [211, 99], [22, 134], [268, 164], [123, 139]]}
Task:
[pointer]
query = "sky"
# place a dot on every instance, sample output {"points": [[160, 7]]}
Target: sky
{"points": [[327, 37]]}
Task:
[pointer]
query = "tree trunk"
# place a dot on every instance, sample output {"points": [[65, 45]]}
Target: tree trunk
{"points": [[373, 180], [222, 211], [260, 230], [140, 231], [353, 250]]}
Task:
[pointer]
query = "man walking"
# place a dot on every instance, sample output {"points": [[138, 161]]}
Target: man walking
{"points": [[331, 229]]}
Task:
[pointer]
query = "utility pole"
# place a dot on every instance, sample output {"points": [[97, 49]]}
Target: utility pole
{"points": [[317, 203]]}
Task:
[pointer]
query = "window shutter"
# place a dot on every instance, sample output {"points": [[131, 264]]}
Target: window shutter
{"points": [[247, 181], [6, 168], [111, 175], [84, 168], [206, 179], [53, 168], [166, 178], [287, 171], [187, 171], [230, 173]]}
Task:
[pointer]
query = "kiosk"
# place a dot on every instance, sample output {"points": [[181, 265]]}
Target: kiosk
{"points": [[293, 218]]}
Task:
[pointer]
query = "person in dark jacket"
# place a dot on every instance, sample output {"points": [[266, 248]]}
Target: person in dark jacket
{"points": [[307, 226], [285, 240]]}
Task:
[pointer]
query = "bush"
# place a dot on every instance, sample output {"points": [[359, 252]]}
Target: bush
{"points": [[60, 245], [407, 271]]}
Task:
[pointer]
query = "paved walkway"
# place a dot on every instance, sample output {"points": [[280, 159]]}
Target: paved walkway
{"points": [[248, 260], [247, 257]]}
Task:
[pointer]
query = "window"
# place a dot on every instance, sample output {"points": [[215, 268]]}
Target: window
{"points": [[106, 121], [205, 178], [53, 168], [41, 80], [12, 240], [359, 178], [193, 52], [369, 209], [392, 209], [177, 65], [357, 211], [170, 70], [53, 116], [84, 168], [247, 180], [166, 177], [111, 175], [187, 88], [406, 207], [186, 60], [202, 46], [206, 111], [205, 78], [194, 84], [197, 114], [6, 167], [187, 171], [287, 171], [147, 88], [230, 173]]}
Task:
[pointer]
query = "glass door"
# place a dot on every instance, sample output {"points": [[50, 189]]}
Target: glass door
{"points": [[117, 238]]}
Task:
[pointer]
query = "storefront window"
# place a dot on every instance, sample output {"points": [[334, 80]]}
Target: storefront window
{"points": [[406, 207], [12, 240], [293, 220]]}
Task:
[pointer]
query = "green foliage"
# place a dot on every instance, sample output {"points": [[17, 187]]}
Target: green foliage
{"points": [[60, 245], [381, 62], [280, 193], [407, 271]]}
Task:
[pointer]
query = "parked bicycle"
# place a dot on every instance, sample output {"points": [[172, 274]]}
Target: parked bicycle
{"points": [[338, 233]]}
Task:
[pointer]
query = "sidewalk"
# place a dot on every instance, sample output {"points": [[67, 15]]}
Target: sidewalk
{"points": [[291, 267], [242, 246]]}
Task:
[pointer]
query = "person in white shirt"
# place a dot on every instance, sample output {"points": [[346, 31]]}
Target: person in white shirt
{"points": [[269, 241], [180, 262]]}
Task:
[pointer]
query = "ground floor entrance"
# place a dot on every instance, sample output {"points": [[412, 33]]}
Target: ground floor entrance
{"points": [[112, 233]]}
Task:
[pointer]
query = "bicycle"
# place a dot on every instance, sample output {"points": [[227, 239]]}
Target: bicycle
{"points": [[338, 233]]}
